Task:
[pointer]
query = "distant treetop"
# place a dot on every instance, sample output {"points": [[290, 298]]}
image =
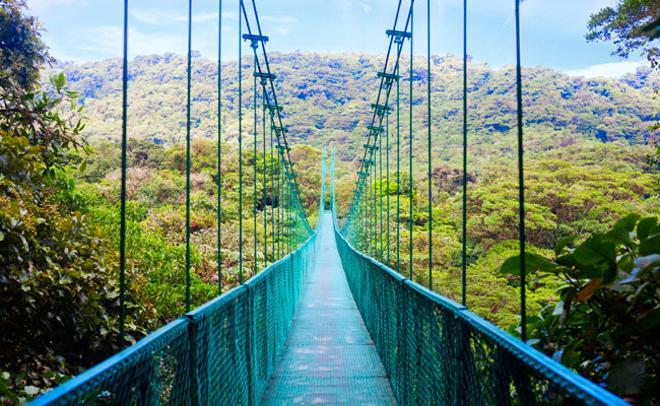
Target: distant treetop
{"points": [[632, 25]]}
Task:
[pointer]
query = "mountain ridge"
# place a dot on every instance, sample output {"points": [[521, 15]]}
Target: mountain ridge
{"points": [[326, 99]]}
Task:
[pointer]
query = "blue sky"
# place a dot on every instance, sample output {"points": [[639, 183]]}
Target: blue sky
{"points": [[553, 30]]}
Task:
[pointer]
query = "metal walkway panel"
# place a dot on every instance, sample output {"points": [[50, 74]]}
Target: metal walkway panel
{"points": [[329, 357]]}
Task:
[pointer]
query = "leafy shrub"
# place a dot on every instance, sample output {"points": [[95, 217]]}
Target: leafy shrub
{"points": [[606, 322]]}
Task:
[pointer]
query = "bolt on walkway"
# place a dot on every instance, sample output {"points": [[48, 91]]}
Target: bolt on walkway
{"points": [[329, 356]]}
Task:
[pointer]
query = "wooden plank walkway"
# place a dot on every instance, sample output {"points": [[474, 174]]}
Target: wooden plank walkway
{"points": [[329, 357]]}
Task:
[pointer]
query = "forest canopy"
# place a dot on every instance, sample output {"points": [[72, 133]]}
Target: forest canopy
{"points": [[592, 186]]}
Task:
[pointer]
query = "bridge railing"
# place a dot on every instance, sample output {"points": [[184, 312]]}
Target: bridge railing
{"points": [[223, 352], [435, 351]]}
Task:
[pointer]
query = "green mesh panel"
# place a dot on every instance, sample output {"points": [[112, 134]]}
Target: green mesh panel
{"points": [[157, 370], [221, 339], [437, 352], [222, 353]]}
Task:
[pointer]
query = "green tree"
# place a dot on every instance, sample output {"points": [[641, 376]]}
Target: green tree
{"points": [[606, 321], [22, 53], [57, 285], [632, 25]]}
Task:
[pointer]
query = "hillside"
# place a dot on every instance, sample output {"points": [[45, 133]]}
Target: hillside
{"points": [[326, 99], [587, 142]]}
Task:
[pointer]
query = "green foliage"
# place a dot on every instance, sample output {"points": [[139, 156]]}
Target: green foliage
{"points": [[57, 283], [22, 53], [564, 196], [156, 268], [606, 321], [632, 25]]}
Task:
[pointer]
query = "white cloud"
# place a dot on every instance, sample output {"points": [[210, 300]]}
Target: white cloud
{"points": [[366, 8], [609, 70]]}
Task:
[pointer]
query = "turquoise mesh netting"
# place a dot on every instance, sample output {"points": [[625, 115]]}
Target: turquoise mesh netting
{"points": [[437, 352], [222, 353]]}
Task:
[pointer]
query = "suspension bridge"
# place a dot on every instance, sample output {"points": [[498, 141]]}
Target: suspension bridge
{"points": [[335, 316]]}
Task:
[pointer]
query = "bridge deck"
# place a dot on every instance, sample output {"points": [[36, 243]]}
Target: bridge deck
{"points": [[329, 356]]}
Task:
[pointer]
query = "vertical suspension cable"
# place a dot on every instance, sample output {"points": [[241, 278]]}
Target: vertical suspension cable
{"points": [[368, 211], [410, 152], [272, 194], [264, 212], [366, 217], [291, 208], [372, 212], [398, 173], [374, 206], [189, 79], [428, 112], [122, 214], [372, 223], [287, 208], [287, 193], [380, 191], [240, 143], [387, 180], [361, 235], [280, 200], [521, 182], [465, 177], [322, 186], [285, 214], [254, 167], [334, 184], [219, 209]]}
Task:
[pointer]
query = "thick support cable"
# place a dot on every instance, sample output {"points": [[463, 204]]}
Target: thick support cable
{"points": [[188, 98], [219, 203], [396, 37], [122, 199], [465, 152], [240, 143], [428, 112], [288, 164], [521, 182], [280, 131]]}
